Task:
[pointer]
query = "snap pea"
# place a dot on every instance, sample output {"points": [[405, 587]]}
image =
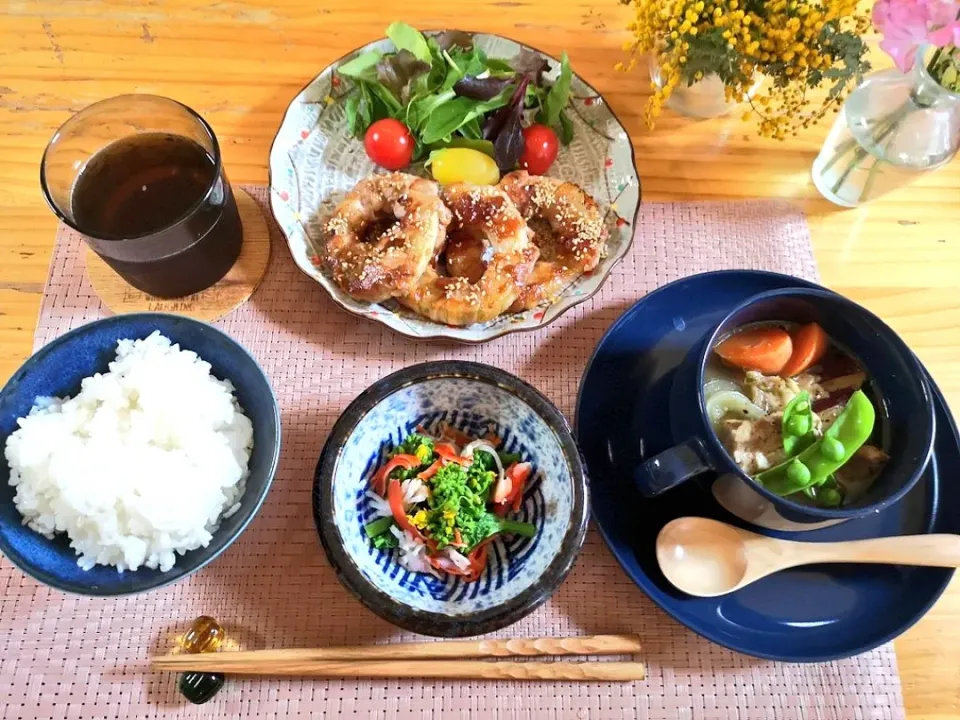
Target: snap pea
{"points": [[797, 425], [814, 465], [826, 495]]}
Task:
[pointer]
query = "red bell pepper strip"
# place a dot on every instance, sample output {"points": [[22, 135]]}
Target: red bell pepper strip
{"points": [[508, 494], [395, 498], [478, 559], [520, 473], [448, 453], [379, 481], [458, 436], [430, 471]]}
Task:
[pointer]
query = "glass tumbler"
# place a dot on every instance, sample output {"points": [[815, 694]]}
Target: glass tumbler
{"points": [[140, 177]]}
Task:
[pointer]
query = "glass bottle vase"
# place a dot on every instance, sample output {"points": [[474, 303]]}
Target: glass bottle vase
{"points": [[893, 127]]}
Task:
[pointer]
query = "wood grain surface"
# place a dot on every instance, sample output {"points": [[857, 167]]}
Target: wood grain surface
{"points": [[240, 62]]}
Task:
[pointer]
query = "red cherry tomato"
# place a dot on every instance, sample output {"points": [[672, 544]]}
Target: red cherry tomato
{"points": [[539, 149], [389, 144]]}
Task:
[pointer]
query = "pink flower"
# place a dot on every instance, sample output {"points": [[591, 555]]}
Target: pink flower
{"points": [[907, 24]]}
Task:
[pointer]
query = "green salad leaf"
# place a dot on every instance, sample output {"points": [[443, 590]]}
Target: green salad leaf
{"points": [[454, 38], [558, 94], [381, 94], [484, 146], [399, 72], [419, 111], [454, 114], [501, 67], [566, 129], [409, 38], [445, 89], [363, 66], [351, 108]]}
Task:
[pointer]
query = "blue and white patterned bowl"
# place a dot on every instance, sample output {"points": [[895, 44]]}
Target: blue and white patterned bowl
{"points": [[522, 572]]}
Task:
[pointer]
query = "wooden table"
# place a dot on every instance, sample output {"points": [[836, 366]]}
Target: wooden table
{"points": [[239, 62]]}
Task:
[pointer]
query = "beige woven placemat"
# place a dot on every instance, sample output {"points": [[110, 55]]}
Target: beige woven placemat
{"points": [[64, 656]]}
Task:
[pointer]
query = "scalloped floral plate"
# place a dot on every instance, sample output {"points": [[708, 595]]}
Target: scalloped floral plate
{"points": [[314, 162]]}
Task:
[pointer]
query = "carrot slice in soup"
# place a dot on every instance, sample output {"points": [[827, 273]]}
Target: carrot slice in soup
{"points": [[766, 349], [810, 343]]}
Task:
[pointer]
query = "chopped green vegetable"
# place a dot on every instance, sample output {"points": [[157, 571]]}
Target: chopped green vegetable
{"points": [[480, 480], [480, 528], [378, 526], [385, 541], [516, 527], [508, 459], [483, 461], [411, 446], [459, 503]]}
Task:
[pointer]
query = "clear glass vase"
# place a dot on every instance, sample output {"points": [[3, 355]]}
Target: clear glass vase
{"points": [[705, 98], [891, 128]]}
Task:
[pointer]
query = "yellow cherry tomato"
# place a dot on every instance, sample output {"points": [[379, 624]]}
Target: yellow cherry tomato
{"points": [[452, 165]]}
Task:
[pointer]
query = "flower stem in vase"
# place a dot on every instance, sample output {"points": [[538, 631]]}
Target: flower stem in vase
{"points": [[883, 129]]}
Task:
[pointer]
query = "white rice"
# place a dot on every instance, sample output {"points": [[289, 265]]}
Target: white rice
{"points": [[141, 465]]}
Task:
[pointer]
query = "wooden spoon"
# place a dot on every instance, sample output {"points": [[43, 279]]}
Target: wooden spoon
{"points": [[707, 558]]}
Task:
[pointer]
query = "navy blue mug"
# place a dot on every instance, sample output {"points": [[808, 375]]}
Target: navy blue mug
{"points": [[895, 373]]}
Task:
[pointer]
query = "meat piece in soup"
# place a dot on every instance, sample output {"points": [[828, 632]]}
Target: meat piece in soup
{"points": [[758, 416], [858, 474], [754, 444], [772, 393]]}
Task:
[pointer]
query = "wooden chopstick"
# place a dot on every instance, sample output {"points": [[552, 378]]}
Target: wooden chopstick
{"points": [[457, 669], [455, 649], [422, 660]]}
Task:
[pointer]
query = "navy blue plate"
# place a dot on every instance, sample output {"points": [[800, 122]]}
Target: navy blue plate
{"points": [[809, 614]]}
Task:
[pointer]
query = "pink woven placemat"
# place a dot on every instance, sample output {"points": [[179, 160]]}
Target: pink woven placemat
{"points": [[70, 657]]}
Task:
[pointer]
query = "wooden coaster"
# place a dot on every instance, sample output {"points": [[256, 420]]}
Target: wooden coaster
{"points": [[229, 293]]}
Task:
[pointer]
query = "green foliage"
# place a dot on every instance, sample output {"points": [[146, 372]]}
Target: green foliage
{"points": [[843, 48], [945, 68], [710, 53]]}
